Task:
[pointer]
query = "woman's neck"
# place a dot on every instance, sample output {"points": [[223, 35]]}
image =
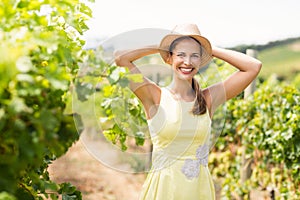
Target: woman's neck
{"points": [[182, 89]]}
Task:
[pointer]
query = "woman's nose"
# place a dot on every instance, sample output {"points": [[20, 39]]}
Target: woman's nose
{"points": [[187, 60]]}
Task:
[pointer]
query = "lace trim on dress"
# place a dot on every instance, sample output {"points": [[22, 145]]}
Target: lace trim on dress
{"points": [[191, 168]]}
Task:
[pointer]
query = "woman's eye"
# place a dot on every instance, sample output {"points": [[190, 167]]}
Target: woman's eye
{"points": [[180, 55], [195, 56]]}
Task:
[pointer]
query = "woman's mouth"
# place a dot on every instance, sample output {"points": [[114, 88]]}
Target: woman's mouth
{"points": [[186, 70]]}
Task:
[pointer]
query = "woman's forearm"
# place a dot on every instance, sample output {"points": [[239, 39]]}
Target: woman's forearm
{"points": [[248, 68], [239, 60], [126, 57]]}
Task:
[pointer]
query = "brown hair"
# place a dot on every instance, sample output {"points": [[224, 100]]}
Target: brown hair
{"points": [[176, 41], [199, 107]]}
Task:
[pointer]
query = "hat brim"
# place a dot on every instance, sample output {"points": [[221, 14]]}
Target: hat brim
{"points": [[205, 44]]}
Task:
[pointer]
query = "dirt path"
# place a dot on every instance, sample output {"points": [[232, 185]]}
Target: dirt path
{"points": [[92, 178]]}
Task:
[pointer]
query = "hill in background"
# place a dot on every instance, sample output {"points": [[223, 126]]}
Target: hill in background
{"points": [[278, 57]]}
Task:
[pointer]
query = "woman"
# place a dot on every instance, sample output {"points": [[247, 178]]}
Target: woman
{"points": [[179, 115]]}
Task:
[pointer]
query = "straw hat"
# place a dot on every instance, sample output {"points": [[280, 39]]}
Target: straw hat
{"points": [[186, 30]]}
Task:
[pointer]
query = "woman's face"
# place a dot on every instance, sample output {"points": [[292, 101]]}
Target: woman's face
{"points": [[186, 59]]}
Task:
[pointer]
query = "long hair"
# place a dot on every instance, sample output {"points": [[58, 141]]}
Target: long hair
{"points": [[199, 107]]}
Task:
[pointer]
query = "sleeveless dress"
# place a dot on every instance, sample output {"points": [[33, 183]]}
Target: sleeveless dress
{"points": [[180, 153]]}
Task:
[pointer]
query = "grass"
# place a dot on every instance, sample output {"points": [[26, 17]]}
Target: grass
{"points": [[283, 60]]}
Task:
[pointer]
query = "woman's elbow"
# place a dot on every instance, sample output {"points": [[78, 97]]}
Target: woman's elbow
{"points": [[117, 57], [258, 66], [118, 61]]}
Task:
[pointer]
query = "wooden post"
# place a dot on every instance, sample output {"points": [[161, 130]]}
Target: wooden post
{"points": [[251, 88], [246, 171]]}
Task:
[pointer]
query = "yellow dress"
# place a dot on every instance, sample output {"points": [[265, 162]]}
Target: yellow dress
{"points": [[180, 153]]}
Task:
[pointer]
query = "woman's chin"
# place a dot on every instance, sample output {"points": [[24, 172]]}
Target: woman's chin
{"points": [[186, 77]]}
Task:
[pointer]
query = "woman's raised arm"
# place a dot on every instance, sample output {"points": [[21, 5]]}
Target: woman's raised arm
{"points": [[248, 68], [147, 91]]}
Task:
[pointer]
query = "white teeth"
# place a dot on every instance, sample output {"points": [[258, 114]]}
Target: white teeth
{"points": [[186, 69]]}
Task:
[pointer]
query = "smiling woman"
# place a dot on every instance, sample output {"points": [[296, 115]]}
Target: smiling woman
{"points": [[188, 52], [187, 57], [179, 115]]}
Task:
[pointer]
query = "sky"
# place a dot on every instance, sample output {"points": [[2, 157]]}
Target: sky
{"points": [[225, 23]]}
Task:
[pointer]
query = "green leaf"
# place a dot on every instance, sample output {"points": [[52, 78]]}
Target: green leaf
{"points": [[138, 78], [123, 82], [7, 196], [84, 90], [23, 4]]}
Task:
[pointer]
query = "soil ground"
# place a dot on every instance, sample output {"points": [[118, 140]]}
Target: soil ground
{"points": [[95, 180]]}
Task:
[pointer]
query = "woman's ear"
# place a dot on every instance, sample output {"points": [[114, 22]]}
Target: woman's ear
{"points": [[169, 59]]}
